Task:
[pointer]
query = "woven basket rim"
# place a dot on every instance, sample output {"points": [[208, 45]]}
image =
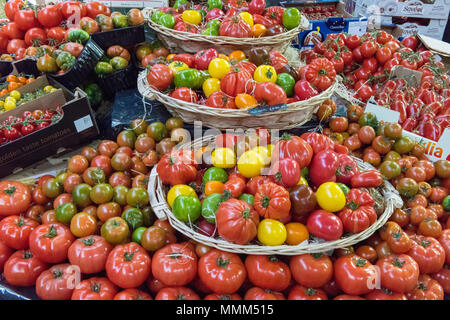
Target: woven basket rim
{"points": [[282, 37], [159, 204], [238, 113]]}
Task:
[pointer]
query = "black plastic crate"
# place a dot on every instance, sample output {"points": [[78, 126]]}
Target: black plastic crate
{"points": [[6, 67], [27, 66], [84, 65], [123, 36], [118, 80]]}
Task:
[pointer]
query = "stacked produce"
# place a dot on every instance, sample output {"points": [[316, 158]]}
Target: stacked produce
{"points": [[238, 19], [14, 82], [14, 98], [319, 11], [237, 81]]}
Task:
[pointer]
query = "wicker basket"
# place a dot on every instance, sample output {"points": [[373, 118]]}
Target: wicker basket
{"points": [[157, 194], [180, 41], [294, 115]]}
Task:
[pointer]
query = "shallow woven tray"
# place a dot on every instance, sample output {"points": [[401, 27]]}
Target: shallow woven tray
{"points": [[180, 41], [295, 115], [157, 194]]}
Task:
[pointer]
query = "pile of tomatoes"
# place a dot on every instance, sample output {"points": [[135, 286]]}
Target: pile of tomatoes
{"points": [[365, 62], [239, 19], [230, 196], [238, 81], [15, 127], [424, 110], [319, 11], [14, 82], [30, 27]]}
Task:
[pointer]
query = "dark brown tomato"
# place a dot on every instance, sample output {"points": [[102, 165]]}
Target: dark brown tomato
{"points": [[89, 153], [144, 144], [120, 179], [107, 148], [121, 161]]}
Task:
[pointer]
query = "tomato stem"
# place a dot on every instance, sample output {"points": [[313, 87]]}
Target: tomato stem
{"points": [[57, 273], [88, 242], [222, 263], [52, 232], [310, 292], [128, 256], [27, 254], [265, 202], [10, 191]]}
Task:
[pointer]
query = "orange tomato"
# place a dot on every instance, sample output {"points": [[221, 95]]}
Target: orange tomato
{"points": [[237, 55], [30, 80], [22, 80], [296, 233], [3, 92], [214, 187], [223, 56], [245, 101], [259, 30], [170, 56], [14, 86], [83, 224], [11, 78]]}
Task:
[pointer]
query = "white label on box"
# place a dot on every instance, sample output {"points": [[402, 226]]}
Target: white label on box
{"points": [[357, 27], [83, 123], [383, 114]]}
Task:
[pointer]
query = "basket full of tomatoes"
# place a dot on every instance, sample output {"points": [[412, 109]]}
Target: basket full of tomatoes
{"points": [[219, 198], [228, 25]]}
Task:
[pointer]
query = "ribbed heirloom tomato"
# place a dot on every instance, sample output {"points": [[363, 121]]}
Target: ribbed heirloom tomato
{"points": [[56, 283], [428, 253], [398, 273], [95, 288], [257, 293], [50, 242], [354, 275], [268, 272], [272, 201], [89, 254]]}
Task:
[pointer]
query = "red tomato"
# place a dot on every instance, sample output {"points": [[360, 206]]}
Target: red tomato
{"points": [[50, 16], [222, 272], [73, 8], [176, 293], [177, 167], [35, 37], [256, 293], [268, 272], [323, 167], [95, 289], [89, 253], [23, 268], [5, 253], [159, 76], [15, 231], [293, 147], [26, 19], [428, 253], [427, 289], [11, 7], [269, 93], [132, 294], [218, 99], [56, 35], [354, 275], [444, 240], [95, 8], [302, 293], [15, 198], [50, 242], [410, 42], [443, 277], [272, 201], [235, 27], [311, 270], [385, 294], [398, 273], [188, 95], [55, 283], [128, 265], [216, 296], [325, 225], [175, 264], [12, 31]]}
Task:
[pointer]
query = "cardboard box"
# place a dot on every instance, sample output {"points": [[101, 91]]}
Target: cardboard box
{"points": [[319, 29], [434, 9], [76, 127], [434, 28]]}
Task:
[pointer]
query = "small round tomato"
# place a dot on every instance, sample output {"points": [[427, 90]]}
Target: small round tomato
{"points": [[115, 230], [271, 232]]}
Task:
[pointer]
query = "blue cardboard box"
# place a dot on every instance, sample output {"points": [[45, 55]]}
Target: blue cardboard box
{"points": [[319, 29]]}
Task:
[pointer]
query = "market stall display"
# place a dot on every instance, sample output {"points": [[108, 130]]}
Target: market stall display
{"points": [[319, 193]]}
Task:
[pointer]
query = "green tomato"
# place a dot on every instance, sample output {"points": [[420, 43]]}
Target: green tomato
{"points": [[215, 4], [187, 208], [148, 215], [291, 18], [137, 197], [101, 193], [94, 94], [215, 174], [137, 234], [189, 78], [368, 119], [81, 195], [157, 131], [343, 187], [446, 203], [120, 195], [120, 21], [249, 198], [167, 20], [210, 205], [133, 217], [179, 3], [214, 24], [118, 63], [65, 212], [287, 82], [78, 35], [156, 16], [61, 177], [103, 68], [65, 60]]}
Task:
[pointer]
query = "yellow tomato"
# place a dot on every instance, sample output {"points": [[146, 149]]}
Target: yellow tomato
{"points": [[302, 181], [11, 99], [247, 17], [223, 158], [296, 233], [48, 88], [2, 104], [330, 197], [192, 17], [53, 90], [271, 232], [250, 164], [265, 73], [9, 105], [210, 86], [218, 68], [177, 66], [15, 94], [179, 190], [264, 153], [170, 56]]}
